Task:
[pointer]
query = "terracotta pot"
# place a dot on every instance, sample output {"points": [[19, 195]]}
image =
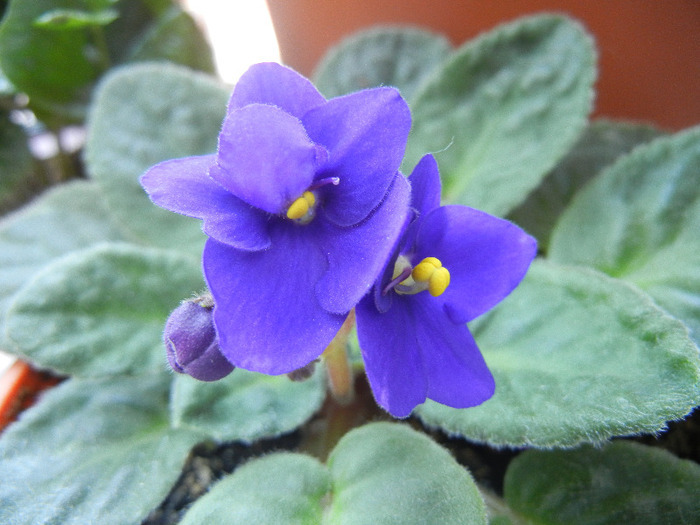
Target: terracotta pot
{"points": [[19, 388], [649, 51]]}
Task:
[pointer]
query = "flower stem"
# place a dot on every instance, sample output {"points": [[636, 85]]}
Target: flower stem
{"points": [[338, 369]]}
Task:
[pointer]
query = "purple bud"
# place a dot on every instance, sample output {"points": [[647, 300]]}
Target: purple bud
{"points": [[191, 343]]}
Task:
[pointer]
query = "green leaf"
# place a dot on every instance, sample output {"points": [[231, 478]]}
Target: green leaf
{"points": [[92, 451], [16, 163], [387, 56], [245, 406], [174, 36], [66, 218], [60, 19], [577, 357], [382, 473], [101, 311], [504, 109], [623, 482], [144, 114], [639, 220], [599, 146]]}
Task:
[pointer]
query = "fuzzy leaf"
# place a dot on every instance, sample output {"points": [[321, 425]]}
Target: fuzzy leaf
{"points": [[504, 109], [381, 473], [577, 357], [245, 406], [92, 451], [639, 220], [66, 218], [101, 311], [622, 483], [599, 146], [144, 114], [387, 56]]}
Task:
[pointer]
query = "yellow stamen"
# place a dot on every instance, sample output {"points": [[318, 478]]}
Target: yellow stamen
{"points": [[301, 206], [430, 270]]}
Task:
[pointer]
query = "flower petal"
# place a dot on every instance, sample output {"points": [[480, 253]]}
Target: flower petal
{"points": [[267, 315], [265, 157], [487, 257], [456, 372], [392, 359], [183, 186], [365, 134], [425, 186], [357, 255], [276, 85]]}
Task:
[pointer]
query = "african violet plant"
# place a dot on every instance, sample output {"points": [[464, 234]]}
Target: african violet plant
{"points": [[334, 244]]}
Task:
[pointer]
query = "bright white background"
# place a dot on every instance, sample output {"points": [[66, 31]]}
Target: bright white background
{"points": [[241, 34]]}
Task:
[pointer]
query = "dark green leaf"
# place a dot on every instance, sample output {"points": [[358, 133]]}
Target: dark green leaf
{"points": [[381, 473], [93, 451], [144, 114], [246, 406], [577, 357], [388, 56], [101, 311], [639, 220], [599, 146], [504, 109], [621, 483]]}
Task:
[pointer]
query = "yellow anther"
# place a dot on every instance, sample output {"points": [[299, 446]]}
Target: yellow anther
{"points": [[301, 206], [425, 269], [439, 281]]}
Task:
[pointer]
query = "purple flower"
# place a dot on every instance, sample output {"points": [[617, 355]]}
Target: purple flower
{"points": [[302, 204], [451, 264], [191, 344]]}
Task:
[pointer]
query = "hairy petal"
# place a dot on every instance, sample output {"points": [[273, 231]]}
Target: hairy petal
{"points": [[357, 255], [265, 157], [487, 257], [393, 363], [267, 315], [365, 134], [276, 85], [183, 186], [425, 186]]}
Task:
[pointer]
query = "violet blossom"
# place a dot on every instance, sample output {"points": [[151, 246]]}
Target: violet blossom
{"points": [[452, 264], [302, 204]]}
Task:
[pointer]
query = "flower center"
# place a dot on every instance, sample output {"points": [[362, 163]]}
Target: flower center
{"points": [[303, 209], [429, 274]]}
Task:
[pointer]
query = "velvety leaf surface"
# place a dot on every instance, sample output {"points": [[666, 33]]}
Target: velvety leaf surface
{"points": [[600, 145], [387, 56], [101, 311], [66, 218], [144, 114], [623, 482], [504, 109], [381, 473], [640, 220], [245, 406], [577, 356], [93, 451]]}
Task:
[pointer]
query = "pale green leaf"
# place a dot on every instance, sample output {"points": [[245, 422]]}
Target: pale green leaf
{"points": [[640, 221], [384, 56], [623, 482], [101, 311], [381, 473], [144, 114], [599, 146], [62, 19], [93, 451], [577, 357], [246, 406], [504, 109], [66, 218]]}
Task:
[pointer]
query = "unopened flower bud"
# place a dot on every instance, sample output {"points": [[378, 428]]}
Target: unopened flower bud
{"points": [[191, 343]]}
